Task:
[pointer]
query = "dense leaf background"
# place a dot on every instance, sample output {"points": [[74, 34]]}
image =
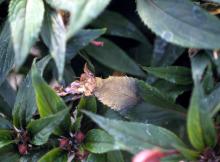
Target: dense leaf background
{"points": [[167, 50]]}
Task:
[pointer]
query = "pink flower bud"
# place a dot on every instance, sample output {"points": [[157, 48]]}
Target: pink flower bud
{"points": [[153, 155], [79, 136], [23, 149], [97, 43]]}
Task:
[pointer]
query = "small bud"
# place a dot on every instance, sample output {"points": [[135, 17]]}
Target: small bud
{"points": [[82, 155], [23, 149], [97, 43], [79, 136], [65, 144]]}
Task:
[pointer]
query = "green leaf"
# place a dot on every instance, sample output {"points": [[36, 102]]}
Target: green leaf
{"points": [[113, 57], [7, 99], [80, 40], [188, 153], [5, 124], [6, 52], [97, 158], [135, 137], [25, 19], [150, 114], [98, 141], [170, 89], [199, 64], [118, 25], [84, 12], [88, 103], [153, 96], [212, 101], [164, 53], [172, 19], [1, 1], [114, 156], [25, 104], [54, 36], [48, 102], [42, 128], [201, 130], [6, 137], [174, 74], [53, 155], [208, 81], [10, 157]]}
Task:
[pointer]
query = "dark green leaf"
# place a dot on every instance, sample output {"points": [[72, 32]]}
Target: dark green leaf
{"points": [[7, 99], [25, 105], [212, 101], [174, 74], [80, 40], [88, 103], [153, 96], [97, 158], [6, 137], [136, 136], [25, 19], [48, 102], [170, 89], [150, 114], [113, 57], [171, 19], [118, 25], [6, 52], [5, 124], [42, 128], [114, 156], [54, 36], [98, 141], [10, 157], [199, 64], [164, 53], [55, 155]]}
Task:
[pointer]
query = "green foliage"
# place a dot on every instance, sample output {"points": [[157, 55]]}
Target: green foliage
{"points": [[53, 111]]}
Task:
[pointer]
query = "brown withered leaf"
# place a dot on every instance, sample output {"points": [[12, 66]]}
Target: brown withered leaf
{"points": [[117, 92]]}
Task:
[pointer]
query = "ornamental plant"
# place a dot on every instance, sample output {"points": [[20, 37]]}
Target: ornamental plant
{"points": [[109, 81]]}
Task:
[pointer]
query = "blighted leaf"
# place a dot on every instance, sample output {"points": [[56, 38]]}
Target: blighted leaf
{"points": [[117, 92], [54, 36], [25, 19], [172, 19], [114, 57]]}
